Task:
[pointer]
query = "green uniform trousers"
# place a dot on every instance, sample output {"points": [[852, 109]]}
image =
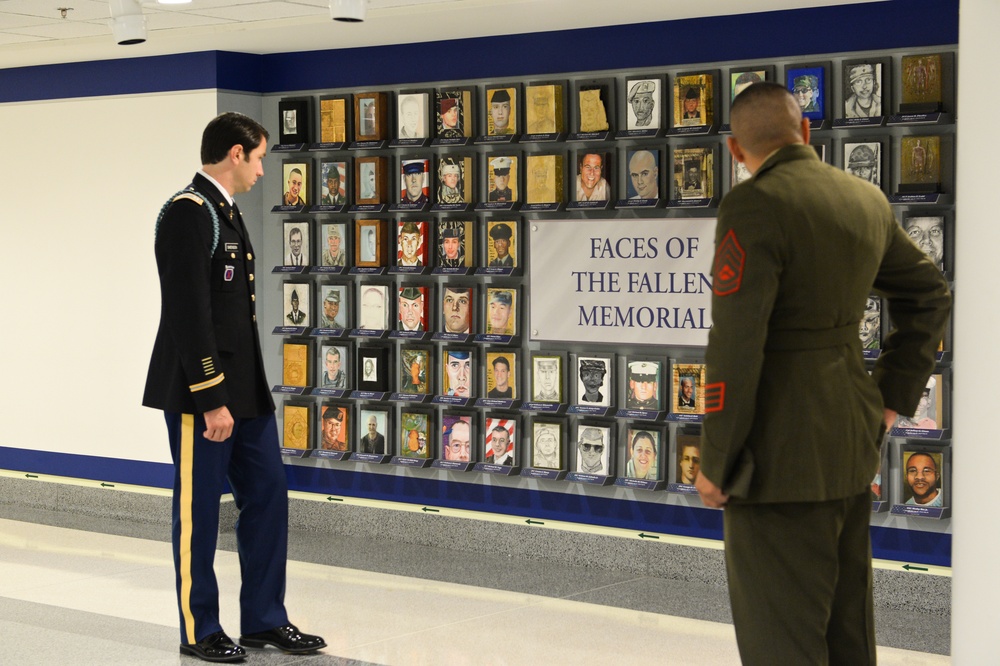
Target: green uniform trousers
{"points": [[800, 581]]}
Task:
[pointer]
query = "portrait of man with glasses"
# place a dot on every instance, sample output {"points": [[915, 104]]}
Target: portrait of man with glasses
{"points": [[592, 450]]}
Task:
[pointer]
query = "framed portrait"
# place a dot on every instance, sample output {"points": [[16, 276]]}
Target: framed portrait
{"points": [[334, 367], [371, 242], [743, 77], [920, 163], [501, 374], [370, 176], [296, 431], [687, 388], [374, 306], [295, 183], [688, 457], [594, 106], [416, 369], [335, 427], [415, 181], [411, 243], [334, 185], [501, 310], [295, 363], [457, 437], [458, 372], [415, 434], [644, 104], [642, 452], [454, 113], [501, 178], [922, 472], [335, 306], [411, 113], [870, 328], [296, 243], [694, 173], [373, 429], [412, 307], [593, 176], [297, 295], [456, 309], [930, 409], [502, 247], [500, 437], [543, 108], [544, 176], [456, 244], [296, 124], [644, 380], [865, 158], [547, 377], [808, 86], [928, 232], [643, 169], [865, 88], [372, 369], [694, 99], [370, 111], [334, 119], [594, 376], [547, 444], [334, 243], [594, 444], [501, 111], [455, 179], [923, 82]]}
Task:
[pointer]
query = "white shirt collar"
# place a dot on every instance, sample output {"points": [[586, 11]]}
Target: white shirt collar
{"points": [[221, 189]]}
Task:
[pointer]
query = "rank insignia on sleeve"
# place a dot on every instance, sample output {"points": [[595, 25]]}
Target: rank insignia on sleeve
{"points": [[228, 275], [715, 397], [727, 273]]}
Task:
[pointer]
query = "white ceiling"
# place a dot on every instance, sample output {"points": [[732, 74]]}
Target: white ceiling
{"points": [[33, 32]]}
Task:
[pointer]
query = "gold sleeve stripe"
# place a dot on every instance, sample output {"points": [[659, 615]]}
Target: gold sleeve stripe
{"points": [[207, 384], [186, 501]]}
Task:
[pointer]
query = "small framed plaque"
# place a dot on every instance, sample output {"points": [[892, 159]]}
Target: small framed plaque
{"points": [[501, 374], [687, 388], [296, 432], [455, 113], [371, 243], [412, 115], [930, 414], [335, 306], [547, 377], [738, 172], [297, 294], [866, 159], [694, 102], [502, 178], [296, 124], [593, 176], [458, 372], [370, 176], [501, 111], [335, 424], [870, 328], [415, 439], [643, 390], [372, 369], [920, 164], [411, 243], [334, 120], [335, 242], [502, 246], [373, 427], [501, 311], [865, 90], [642, 182], [415, 178], [334, 184], [544, 179], [926, 83], [455, 180], [594, 109], [688, 458], [334, 367], [500, 439], [458, 433], [374, 306], [371, 110], [644, 106], [547, 444], [416, 369], [593, 382], [456, 309], [296, 241], [295, 176], [922, 472], [543, 109], [456, 244], [810, 87], [413, 307], [928, 232], [642, 452], [742, 78], [295, 364], [594, 449], [694, 174]]}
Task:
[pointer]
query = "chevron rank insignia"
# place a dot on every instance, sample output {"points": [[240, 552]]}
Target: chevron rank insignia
{"points": [[715, 397], [727, 273]]}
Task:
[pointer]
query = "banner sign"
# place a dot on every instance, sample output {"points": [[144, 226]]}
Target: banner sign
{"points": [[641, 281]]}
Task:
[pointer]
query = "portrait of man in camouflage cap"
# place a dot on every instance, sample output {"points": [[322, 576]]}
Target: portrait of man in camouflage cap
{"points": [[806, 86]]}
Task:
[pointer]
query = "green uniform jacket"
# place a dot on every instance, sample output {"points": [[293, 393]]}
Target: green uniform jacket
{"points": [[792, 414]]}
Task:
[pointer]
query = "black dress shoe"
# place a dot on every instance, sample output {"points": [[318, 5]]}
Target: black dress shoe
{"points": [[218, 647], [287, 639]]}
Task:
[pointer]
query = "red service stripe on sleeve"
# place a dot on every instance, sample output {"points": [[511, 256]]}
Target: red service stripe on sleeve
{"points": [[715, 397], [727, 274]]}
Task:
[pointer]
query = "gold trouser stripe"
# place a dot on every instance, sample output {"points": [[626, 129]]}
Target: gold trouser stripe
{"points": [[186, 501], [207, 384]]}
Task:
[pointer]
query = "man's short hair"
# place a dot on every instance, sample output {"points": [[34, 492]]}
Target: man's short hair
{"points": [[294, 171], [294, 230], [501, 359], [334, 351], [765, 117], [225, 131]]}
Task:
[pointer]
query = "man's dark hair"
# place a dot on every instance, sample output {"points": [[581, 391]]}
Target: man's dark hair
{"points": [[501, 359], [227, 130]]}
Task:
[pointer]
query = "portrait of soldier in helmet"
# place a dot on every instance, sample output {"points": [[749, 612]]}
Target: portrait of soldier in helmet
{"points": [[864, 161]]}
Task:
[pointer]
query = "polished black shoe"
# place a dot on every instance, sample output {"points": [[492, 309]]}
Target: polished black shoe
{"points": [[287, 639], [218, 648]]}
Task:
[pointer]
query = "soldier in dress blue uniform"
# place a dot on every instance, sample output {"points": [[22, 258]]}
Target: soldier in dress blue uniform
{"points": [[207, 375], [501, 178], [413, 182]]}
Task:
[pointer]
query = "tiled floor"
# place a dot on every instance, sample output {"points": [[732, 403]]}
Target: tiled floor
{"points": [[69, 596]]}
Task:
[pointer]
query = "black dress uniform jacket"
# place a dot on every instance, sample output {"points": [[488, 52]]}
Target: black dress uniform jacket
{"points": [[207, 350]]}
